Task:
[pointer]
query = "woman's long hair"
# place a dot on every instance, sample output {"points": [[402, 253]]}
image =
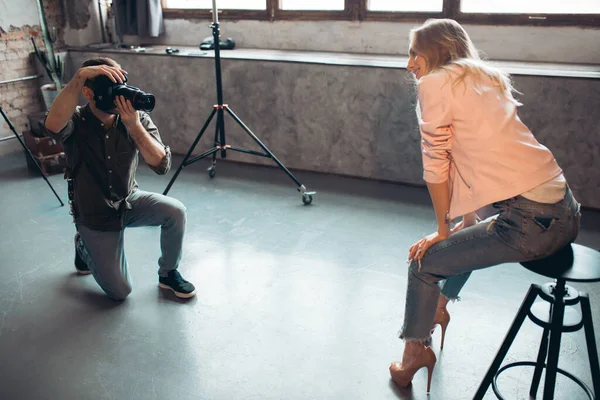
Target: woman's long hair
{"points": [[445, 43]]}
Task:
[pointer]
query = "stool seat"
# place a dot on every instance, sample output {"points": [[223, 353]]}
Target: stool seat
{"points": [[573, 262]]}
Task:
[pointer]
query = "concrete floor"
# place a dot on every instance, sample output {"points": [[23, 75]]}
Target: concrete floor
{"points": [[293, 302]]}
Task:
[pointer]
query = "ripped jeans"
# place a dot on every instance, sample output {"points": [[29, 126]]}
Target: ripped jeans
{"points": [[523, 230]]}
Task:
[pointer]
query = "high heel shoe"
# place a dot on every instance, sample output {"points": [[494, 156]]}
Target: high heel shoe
{"points": [[442, 318], [403, 374]]}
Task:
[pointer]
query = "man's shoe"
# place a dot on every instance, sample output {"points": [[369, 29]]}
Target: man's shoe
{"points": [[175, 282], [80, 265]]}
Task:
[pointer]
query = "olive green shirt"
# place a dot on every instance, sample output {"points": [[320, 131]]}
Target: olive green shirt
{"points": [[107, 159]]}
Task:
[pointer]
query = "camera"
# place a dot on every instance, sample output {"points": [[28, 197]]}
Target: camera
{"points": [[106, 91]]}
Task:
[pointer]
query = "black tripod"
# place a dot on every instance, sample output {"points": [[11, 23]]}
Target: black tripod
{"points": [[12, 128], [220, 142]]}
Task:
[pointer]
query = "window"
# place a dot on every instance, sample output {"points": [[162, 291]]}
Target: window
{"points": [[313, 5], [531, 6], [221, 4], [492, 12], [202, 9], [406, 5]]}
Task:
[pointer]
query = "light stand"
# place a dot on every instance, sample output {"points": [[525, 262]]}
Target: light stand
{"points": [[220, 144], [12, 128]]}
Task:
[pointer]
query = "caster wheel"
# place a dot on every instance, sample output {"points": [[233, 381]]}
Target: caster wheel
{"points": [[212, 172], [307, 199]]}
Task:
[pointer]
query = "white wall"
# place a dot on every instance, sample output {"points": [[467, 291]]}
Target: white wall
{"points": [[519, 43], [14, 13], [18, 13], [91, 34]]}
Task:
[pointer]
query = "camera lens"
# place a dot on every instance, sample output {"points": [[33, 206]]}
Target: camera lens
{"points": [[144, 102], [139, 99]]}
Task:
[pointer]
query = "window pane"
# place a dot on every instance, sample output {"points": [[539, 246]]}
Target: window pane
{"points": [[315, 5], [405, 5], [221, 4], [531, 6]]}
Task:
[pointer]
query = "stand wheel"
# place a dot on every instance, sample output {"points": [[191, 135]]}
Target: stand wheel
{"points": [[307, 199], [212, 172]]}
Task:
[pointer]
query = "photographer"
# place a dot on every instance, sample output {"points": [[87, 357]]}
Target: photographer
{"points": [[102, 143]]}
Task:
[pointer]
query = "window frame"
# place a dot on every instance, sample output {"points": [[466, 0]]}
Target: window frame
{"points": [[356, 10], [196, 13]]}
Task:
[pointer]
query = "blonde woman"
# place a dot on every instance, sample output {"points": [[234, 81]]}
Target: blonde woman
{"points": [[476, 153]]}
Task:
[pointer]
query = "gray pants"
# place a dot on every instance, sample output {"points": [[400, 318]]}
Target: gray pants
{"points": [[523, 230], [103, 251]]}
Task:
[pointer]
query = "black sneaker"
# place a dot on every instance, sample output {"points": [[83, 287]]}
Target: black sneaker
{"points": [[80, 265], [175, 282]]}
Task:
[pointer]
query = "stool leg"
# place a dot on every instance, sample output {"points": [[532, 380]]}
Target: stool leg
{"points": [[533, 292], [539, 367], [591, 341], [558, 313]]}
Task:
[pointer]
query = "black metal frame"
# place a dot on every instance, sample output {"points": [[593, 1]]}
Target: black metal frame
{"points": [[550, 345], [357, 10], [220, 143], [28, 152]]}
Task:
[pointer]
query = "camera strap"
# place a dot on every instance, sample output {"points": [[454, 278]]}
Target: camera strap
{"points": [[71, 173]]}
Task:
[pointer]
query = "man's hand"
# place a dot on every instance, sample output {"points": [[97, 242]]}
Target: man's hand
{"points": [[62, 108], [115, 74], [152, 151], [129, 115], [418, 250]]}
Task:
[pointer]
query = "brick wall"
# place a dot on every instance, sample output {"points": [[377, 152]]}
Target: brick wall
{"points": [[16, 61]]}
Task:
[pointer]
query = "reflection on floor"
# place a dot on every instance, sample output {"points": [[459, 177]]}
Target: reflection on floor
{"points": [[293, 302]]}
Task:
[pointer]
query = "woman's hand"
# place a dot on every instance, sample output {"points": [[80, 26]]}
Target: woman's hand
{"points": [[467, 221], [419, 249], [458, 227]]}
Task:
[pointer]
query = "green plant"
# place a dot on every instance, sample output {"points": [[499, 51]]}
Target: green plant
{"points": [[53, 64]]}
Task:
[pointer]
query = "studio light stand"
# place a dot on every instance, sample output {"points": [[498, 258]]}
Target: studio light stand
{"points": [[12, 128], [220, 143]]}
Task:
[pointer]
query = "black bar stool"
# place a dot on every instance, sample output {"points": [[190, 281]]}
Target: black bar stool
{"points": [[572, 263]]}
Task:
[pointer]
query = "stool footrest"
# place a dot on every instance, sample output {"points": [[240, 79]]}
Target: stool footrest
{"points": [[539, 314], [578, 381]]}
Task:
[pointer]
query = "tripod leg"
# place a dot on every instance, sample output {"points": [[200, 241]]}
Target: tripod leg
{"points": [[189, 153], [218, 142], [221, 123], [533, 292], [42, 173], [586, 312], [12, 128], [263, 146]]}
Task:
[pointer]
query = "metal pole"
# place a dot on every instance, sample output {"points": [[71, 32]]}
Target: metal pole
{"points": [[4, 139], [27, 78], [215, 13], [101, 21]]}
